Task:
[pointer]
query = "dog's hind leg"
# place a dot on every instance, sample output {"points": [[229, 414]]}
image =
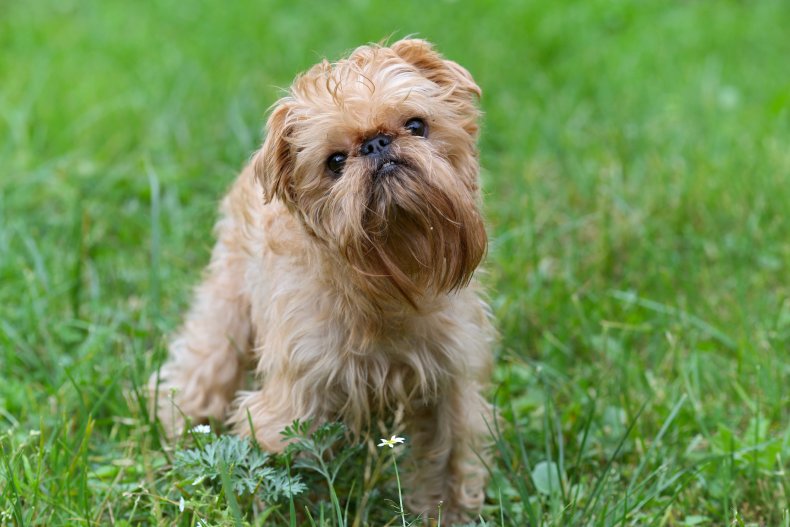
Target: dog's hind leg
{"points": [[207, 356]]}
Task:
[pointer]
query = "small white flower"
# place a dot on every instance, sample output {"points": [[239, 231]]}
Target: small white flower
{"points": [[181, 505], [391, 441], [201, 429]]}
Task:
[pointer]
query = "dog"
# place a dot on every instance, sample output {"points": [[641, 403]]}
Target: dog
{"points": [[344, 274]]}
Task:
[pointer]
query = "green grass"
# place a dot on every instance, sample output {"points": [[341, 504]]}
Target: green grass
{"points": [[637, 178]]}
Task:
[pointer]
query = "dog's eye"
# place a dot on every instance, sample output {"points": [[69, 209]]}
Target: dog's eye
{"points": [[336, 162], [417, 126]]}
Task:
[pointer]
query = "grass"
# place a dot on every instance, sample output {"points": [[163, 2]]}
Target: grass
{"points": [[637, 180]]}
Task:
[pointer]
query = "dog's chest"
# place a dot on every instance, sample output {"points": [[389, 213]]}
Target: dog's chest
{"points": [[390, 376], [398, 370]]}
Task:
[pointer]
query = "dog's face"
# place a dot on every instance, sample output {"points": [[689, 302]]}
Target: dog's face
{"points": [[376, 155]]}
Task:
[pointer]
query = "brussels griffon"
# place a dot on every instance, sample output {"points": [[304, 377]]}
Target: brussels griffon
{"points": [[344, 273]]}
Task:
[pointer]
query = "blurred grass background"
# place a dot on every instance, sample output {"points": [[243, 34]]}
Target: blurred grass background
{"points": [[637, 177]]}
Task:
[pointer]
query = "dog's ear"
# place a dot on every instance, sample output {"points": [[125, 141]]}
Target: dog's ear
{"points": [[274, 163], [445, 73]]}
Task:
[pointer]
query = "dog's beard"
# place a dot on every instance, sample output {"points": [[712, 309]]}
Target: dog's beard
{"points": [[407, 226]]}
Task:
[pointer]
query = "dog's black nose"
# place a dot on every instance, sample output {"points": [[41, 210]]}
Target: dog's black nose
{"points": [[376, 146]]}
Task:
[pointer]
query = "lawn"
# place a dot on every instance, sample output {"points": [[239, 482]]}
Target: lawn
{"points": [[637, 184]]}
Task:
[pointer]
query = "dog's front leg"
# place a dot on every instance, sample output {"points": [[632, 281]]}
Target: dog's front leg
{"points": [[449, 439], [265, 413]]}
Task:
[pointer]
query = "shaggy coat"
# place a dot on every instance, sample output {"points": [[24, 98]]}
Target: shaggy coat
{"points": [[352, 293]]}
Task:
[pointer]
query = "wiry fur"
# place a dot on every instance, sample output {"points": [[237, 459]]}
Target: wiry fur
{"points": [[352, 295]]}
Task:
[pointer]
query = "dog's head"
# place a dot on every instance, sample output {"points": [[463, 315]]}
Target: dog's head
{"points": [[376, 155]]}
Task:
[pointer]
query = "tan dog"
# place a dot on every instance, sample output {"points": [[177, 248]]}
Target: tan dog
{"points": [[344, 270]]}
